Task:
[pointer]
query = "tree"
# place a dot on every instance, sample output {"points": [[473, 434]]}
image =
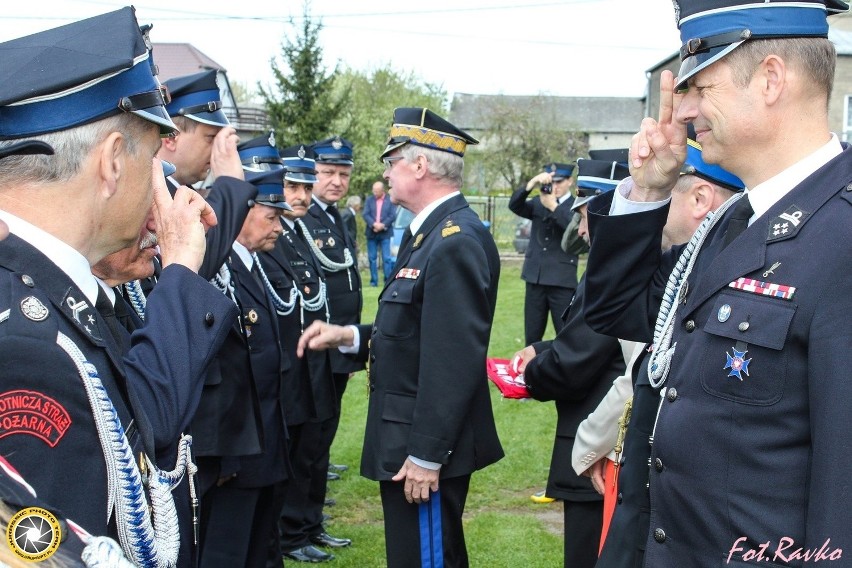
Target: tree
{"points": [[306, 102], [371, 97], [520, 137]]}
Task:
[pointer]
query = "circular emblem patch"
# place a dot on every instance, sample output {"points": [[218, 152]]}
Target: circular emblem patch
{"points": [[33, 308], [33, 534]]}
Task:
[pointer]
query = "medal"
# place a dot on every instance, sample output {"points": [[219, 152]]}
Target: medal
{"points": [[737, 363]]}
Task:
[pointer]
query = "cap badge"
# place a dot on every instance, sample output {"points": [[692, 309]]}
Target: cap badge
{"points": [[737, 363], [337, 144], [33, 309], [301, 152], [271, 139], [724, 313]]}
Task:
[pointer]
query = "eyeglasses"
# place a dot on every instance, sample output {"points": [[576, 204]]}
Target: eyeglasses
{"points": [[390, 160]]}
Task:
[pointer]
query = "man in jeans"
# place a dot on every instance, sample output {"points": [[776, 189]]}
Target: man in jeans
{"points": [[379, 214]]}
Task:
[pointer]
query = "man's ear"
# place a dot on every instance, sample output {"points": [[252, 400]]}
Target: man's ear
{"points": [[112, 161], [772, 74], [170, 142], [702, 198]]}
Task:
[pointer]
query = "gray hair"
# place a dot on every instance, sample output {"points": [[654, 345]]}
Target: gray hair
{"points": [[353, 201], [71, 147], [445, 166]]}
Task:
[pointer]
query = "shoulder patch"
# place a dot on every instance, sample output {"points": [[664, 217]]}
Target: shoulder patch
{"points": [[33, 413]]}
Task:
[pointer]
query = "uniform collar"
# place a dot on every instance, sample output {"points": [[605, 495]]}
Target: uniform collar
{"points": [[418, 220], [68, 259], [763, 196], [244, 255]]}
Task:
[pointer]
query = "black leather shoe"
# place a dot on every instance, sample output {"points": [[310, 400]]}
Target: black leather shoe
{"points": [[338, 467], [333, 476], [309, 554], [325, 539], [330, 502]]}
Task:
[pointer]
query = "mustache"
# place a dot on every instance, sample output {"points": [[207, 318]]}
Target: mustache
{"points": [[149, 240]]}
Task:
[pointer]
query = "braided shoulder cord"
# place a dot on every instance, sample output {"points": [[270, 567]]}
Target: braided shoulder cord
{"points": [[143, 545], [326, 262], [137, 297], [283, 308], [222, 282], [660, 360]]}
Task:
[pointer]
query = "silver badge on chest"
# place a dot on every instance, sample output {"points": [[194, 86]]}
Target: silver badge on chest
{"points": [[33, 309], [724, 313]]}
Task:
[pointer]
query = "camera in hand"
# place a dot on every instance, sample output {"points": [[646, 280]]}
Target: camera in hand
{"points": [[547, 188]]}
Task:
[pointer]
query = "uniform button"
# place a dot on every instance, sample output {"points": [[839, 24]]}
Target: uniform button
{"points": [[209, 318], [372, 387], [27, 280], [621, 461], [659, 535], [372, 358], [689, 326], [672, 394], [620, 498], [395, 294], [658, 464], [743, 326], [849, 187]]}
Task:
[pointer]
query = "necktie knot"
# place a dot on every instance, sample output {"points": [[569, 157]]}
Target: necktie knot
{"points": [[738, 221]]}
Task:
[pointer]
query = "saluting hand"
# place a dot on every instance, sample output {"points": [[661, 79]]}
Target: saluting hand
{"points": [[224, 158], [181, 222], [658, 150]]}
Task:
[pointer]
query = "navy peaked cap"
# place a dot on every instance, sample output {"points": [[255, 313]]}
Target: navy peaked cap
{"points": [[197, 97], [710, 29], [79, 73], [334, 150]]}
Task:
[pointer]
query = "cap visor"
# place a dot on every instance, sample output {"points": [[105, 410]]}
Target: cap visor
{"points": [[695, 63], [215, 118], [393, 146], [160, 117], [283, 205], [300, 178]]}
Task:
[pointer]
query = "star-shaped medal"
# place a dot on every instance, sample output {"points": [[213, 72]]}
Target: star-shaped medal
{"points": [[738, 364]]}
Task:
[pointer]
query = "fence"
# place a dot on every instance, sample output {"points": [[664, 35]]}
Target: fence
{"points": [[503, 222]]}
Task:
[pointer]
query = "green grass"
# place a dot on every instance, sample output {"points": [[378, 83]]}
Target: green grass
{"points": [[502, 526]]}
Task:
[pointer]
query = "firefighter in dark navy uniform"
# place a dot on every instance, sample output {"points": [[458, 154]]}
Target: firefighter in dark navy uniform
{"points": [[429, 423], [78, 135], [751, 342], [549, 271]]}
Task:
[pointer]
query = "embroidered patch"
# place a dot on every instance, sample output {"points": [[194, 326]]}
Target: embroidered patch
{"points": [[410, 273], [33, 413], [786, 224], [764, 288]]}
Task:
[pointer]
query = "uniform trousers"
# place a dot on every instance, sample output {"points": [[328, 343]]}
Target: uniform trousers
{"points": [[416, 534], [238, 525], [300, 516], [540, 300], [582, 529]]}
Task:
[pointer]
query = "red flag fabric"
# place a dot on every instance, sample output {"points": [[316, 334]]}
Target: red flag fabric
{"points": [[501, 372]]}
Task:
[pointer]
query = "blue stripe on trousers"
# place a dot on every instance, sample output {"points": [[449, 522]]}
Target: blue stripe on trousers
{"points": [[431, 535]]}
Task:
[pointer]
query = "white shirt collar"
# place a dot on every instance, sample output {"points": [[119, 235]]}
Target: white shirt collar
{"points": [[244, 255], [68, 259], [418, 220], [763, 196], [322, 204]]}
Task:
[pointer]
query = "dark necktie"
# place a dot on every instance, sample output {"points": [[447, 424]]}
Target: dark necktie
{"points": [[739, 219], [107, 312], [406, 237], [335, 215]]}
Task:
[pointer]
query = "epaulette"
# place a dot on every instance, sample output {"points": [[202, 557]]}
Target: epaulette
{"points": [[450, 228]]}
